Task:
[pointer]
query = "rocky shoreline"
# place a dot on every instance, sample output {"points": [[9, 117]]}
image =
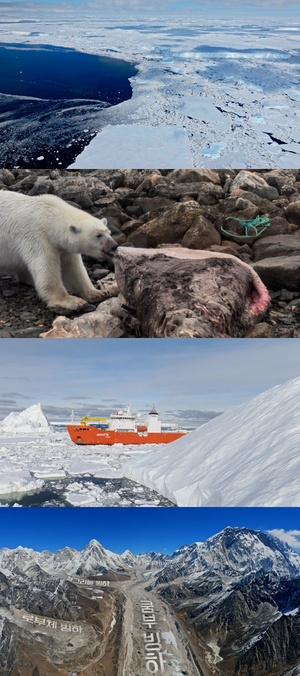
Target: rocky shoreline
{"points": [[196, 209]]}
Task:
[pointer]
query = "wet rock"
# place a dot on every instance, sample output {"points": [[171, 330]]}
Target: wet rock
{"points": [[262, 330], [99, 273], [293, 212], [279, 178], [42, 186], [174, 191], [150, 204], [83, 189], [195, 176], [209, 193], [223, 249], [143, 179], [131, 226], [201, 235], [102, 323], [24, 184], [265, 206], [113, 213], [170, 227], [279, 226], [254, 183], [7, 177], [176, 292], [279, 245], [241, 208], [282, 271]]}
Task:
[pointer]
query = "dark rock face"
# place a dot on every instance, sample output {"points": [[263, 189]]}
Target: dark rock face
{"points": [[255, 624], [192, 208]]}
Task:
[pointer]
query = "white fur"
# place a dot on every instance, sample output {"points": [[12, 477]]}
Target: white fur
{"points": [[41, 242]]}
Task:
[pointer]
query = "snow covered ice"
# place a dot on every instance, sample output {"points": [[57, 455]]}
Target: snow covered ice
{"points": [[248, 456], [163, 146], [34, 457], [227, 90]]}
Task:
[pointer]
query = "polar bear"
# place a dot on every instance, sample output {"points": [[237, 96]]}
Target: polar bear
{"points": [[41, 242]]}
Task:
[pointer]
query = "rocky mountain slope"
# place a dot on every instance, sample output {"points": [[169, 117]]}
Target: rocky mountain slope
{"points": [[236, 598]]}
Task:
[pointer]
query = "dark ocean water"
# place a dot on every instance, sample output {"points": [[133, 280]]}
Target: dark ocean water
{"points": [[66, 90], [52, 494]]}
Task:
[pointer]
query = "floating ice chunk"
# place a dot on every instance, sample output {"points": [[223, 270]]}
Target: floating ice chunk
{"points": [[79, 499], [203, 109], [274, 104], [18, 481], [292, 147], [258, 118], [287, 161], [214, 149], [49, 472], [92, 467], [132, 145]]}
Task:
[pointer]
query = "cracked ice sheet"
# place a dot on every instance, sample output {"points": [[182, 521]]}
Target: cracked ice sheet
{"points": [[27, 462], [203, 109], [254, 61], [132, 145]]}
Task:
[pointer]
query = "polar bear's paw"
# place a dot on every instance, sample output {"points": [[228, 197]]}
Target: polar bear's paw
{"points": [[95, 296], [68, 305]]}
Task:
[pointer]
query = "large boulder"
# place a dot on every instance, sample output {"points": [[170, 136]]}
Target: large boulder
{"points": [[249, 180], [280, 272], [171, 227], [279, 245], [178, 292], [293, 212]]}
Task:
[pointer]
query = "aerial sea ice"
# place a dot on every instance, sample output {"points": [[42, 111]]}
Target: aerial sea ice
{"points": [[207, 94]]}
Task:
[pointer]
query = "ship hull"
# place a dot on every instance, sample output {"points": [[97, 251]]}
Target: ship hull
{"points": [[88, 435]]}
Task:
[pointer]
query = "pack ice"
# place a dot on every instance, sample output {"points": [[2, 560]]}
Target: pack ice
{"points": [[248, 456]]}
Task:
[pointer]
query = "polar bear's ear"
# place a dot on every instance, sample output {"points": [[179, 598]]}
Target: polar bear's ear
{"points": [[74, 229], [104, 221]]}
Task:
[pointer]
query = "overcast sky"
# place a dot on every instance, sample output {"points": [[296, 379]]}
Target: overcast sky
{"points": [[140, 530], [179, 376], [190, 8]]}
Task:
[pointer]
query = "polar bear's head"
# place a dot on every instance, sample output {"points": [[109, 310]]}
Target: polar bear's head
{"points": [[92, 237]]}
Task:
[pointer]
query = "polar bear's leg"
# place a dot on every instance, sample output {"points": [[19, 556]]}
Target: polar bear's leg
{"points": [[46, 275], [76, 279], [24, 276]]}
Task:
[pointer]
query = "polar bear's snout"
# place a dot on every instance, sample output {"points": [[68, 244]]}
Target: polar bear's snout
{"points": [[108, 245]]}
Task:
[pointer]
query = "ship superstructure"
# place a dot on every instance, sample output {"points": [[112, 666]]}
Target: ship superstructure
{"points": [[122, 428]]}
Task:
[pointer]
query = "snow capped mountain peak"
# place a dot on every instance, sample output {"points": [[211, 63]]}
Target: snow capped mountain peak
{"points": [[247, 456], [233, 553]]}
